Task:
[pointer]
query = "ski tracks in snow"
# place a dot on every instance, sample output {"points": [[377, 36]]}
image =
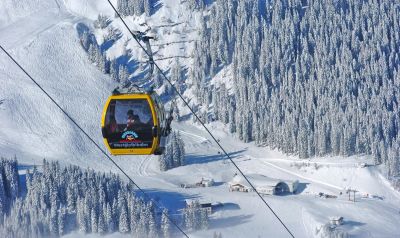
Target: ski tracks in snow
{"points": [[143, 167], [25, 30]]}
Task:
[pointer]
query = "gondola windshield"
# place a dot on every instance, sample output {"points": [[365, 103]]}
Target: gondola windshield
{"points": [[128, 124]]}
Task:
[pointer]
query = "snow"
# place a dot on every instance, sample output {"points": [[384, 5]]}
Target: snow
{"points": [[90, 8], [32, 128], [12, 10]]}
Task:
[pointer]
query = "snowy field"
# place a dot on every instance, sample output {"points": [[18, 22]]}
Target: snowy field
{"points": [[44, 39]]}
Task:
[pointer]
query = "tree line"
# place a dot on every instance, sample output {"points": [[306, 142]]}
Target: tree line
{"points": [[312, 78], [59, 200]]}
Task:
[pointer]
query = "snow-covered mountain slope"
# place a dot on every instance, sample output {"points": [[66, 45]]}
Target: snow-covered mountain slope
{"points": [[32, 128], [12, 10], [31, 124]]}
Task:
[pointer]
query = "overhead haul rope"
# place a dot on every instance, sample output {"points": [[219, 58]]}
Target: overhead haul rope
{"points": [[95, 143], [198, 119]]}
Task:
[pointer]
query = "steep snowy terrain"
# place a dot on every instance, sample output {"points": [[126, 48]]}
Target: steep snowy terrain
{"points": [[42, 35]]}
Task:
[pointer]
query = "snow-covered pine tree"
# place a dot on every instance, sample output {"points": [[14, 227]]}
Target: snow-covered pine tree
{"points": [[62, 219], [53, 226], [3, 198], [203, 219], [176, 152], [123, 213], [188, 218], [82, 217], [181, 147], [163, 161], [165, 224], [101, 22], [11, 177], [94, 220], [109, 219], [158, 80], [92, 53], [142, 226], [102, 226], [123, 73], [196, 214], [175, 112], [147, 7], [114, 70], [176, 76], [153, 230]]}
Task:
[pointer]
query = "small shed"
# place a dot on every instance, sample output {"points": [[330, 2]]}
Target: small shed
{"points": [[202, 204], [202, 183], [207, 206], [205, 182], [336, 221]]}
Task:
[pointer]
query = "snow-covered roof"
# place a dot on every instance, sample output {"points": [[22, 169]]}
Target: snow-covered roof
{"points": [[336, 218], [258, 180], [203, 180]]}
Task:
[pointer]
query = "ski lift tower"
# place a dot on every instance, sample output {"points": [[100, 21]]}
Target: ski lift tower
{"points": [[349, 191]]}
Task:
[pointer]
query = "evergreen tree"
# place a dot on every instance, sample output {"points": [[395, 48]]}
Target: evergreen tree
{"points": [[147, 7], [101, 22], [165, 224], [62, 216], [123, 73], [114, 70], [94, 220], [3, 198], [123, 214]]}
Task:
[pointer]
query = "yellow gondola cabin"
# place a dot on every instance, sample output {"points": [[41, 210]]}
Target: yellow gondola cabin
{"points": [[134, 124]]}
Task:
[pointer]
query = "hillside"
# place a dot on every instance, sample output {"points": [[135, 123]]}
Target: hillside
{"points": [[44, 37]]}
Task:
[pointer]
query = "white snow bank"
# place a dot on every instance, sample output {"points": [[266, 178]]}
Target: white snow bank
{"points": [[12, 10], [90, 8]]}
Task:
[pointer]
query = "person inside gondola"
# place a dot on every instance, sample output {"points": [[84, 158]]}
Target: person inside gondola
{"points": [[112, 126], [132, 121]]}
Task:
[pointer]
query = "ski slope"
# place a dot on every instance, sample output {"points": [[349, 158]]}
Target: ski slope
{"points": [[43, 37]]}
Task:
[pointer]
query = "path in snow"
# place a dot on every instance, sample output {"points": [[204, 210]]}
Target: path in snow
{"points": [[26, 29]]}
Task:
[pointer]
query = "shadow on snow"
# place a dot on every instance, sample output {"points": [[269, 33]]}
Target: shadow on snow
{"points": [[229, 221]]}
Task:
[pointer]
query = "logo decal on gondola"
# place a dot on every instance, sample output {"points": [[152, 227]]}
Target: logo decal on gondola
{"points": [[129, 136]]}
